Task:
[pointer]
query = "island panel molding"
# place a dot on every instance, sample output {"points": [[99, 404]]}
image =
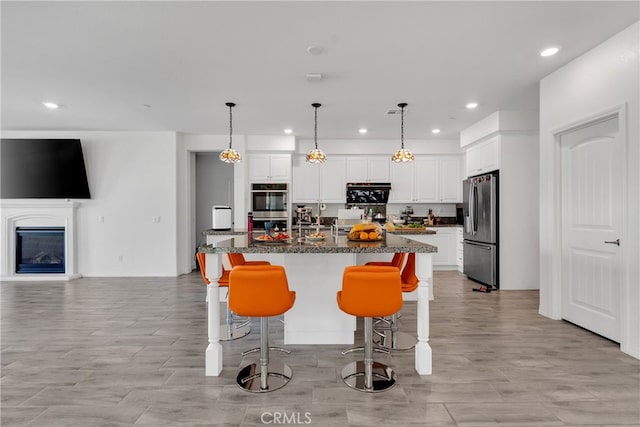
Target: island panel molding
{"points": [[315, 318]]}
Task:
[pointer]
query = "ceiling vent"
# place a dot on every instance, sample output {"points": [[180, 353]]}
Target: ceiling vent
{"points": [[394, 112]]}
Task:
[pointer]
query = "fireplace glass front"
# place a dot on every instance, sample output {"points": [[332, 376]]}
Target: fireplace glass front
{"points": [[40, 250]]}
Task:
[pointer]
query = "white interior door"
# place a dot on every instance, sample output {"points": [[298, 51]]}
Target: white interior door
{"points": [[592, 180]]}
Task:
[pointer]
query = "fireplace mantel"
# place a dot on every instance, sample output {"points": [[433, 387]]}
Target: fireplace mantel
{"points": [[36, 213]]}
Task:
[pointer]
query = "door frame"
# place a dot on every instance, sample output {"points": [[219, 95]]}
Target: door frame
{"points": [[554, 298]]}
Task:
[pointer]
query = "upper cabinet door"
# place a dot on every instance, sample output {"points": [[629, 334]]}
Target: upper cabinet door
{"points": [[484, 157], [270, 167], [450, 180], [356, 169], [259, 168], [333, 179], [280, 167], [401, 177], [426, 182], [368, 169], [378, 169], [306, 181]]}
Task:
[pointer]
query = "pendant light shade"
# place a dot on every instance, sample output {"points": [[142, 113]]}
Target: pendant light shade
{"points": [[316, 155], [230, 155], [402, 155]]}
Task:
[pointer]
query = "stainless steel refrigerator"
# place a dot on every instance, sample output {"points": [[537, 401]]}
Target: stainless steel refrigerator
{"points": [[480, 212]]}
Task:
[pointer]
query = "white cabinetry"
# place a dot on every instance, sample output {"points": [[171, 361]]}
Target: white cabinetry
{"points": [[484, 157], [305, 185], [333, 179], [445, 240], [325, 182], [450, 180], [401, 178], [427, 180], [270, 167], [368, 169]]}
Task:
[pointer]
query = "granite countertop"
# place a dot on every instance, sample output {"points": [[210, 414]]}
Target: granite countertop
{"points": [[390, 243]]}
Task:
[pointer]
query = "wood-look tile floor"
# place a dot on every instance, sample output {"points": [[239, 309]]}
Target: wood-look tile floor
{"points": [[129, 352]]}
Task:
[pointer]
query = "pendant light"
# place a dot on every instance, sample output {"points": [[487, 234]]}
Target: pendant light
{"points": [[402, 155], [230, 155], [316, 155]]}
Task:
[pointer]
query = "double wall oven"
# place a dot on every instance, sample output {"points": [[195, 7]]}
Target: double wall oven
{"points": [[270, 203]]}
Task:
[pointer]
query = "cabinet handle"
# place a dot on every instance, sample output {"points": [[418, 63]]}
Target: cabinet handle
{"points": [[613, 242]]}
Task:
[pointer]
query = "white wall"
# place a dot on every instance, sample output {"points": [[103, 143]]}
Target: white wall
{"points": [[132, 179], [602, 79], [519, 235]]}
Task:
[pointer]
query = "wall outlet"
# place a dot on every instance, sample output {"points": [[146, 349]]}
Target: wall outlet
{"points": [[155, 219], [120, 258]]}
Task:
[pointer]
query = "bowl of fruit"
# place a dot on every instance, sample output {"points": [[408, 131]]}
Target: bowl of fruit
{"points": [[365, 233], [315, 237]]}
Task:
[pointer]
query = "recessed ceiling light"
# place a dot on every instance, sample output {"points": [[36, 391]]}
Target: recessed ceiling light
{"points": [[51, 105], [435, 130], [549, 51], [288, 131], [362, 130], [471, 105], [315, 50]]}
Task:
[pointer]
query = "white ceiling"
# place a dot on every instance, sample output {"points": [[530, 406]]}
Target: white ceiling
{"points": [[172, 65]]}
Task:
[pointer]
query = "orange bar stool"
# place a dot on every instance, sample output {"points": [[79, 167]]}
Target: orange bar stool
{"points": [[389, 337], [234, 327], [396, 261], [238, 259], [261, 291], [370, 291]]}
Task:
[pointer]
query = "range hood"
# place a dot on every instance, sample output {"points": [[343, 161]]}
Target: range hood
{"points": [[368, 193]]}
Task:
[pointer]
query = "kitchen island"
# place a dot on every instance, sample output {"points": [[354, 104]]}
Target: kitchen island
{"points": [[314, 271]]}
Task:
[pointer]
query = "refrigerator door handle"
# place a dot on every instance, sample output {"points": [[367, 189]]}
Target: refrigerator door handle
{"points": [[475, 209], [478, 245], [469, 224]]}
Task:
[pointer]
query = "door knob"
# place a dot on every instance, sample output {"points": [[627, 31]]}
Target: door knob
{"points": [[613, 242]]}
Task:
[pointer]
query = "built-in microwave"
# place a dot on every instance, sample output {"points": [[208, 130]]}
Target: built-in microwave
{"points": [[270, 201]]}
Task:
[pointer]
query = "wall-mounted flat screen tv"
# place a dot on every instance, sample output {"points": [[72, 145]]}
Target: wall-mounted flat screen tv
{"points": [[42, 169]]}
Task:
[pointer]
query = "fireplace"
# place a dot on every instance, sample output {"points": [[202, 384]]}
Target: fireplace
{"points": [[40, 250], [38, 240]]}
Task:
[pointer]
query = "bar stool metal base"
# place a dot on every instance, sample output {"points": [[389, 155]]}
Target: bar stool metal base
{"points": [[391, 340], [278, 376], [383, 377], [233, 331]]}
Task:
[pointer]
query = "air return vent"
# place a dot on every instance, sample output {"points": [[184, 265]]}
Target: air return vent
{"points": [[394, 112]]}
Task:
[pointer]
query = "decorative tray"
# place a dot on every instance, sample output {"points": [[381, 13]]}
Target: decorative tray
{"points": [[314, 239], [278, 238], [406, 227]]}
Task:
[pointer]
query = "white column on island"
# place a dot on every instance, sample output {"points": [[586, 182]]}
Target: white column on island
{"points": [[213, 354], [424, 271]]}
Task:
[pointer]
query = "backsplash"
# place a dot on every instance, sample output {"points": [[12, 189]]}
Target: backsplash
{"points": [[422, 209]]}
